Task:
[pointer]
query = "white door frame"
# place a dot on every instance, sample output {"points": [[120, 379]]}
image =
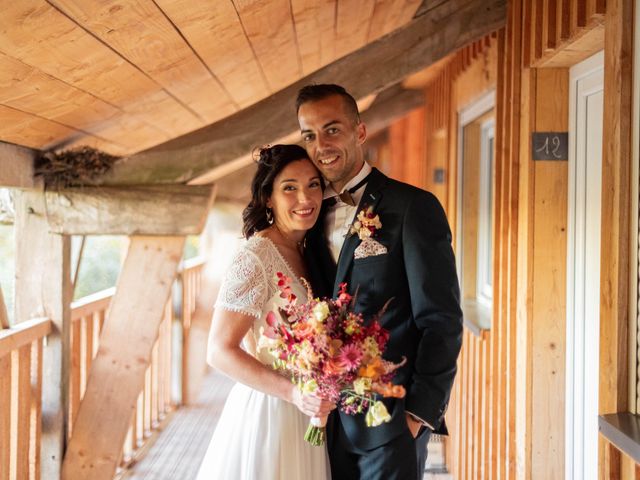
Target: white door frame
{"points": [[581, 353]]}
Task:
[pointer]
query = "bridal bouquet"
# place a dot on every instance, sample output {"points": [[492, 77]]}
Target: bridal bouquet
{"points": [[329, 351]]}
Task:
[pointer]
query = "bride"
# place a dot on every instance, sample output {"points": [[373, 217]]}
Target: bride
{"points": [[260, 434]]}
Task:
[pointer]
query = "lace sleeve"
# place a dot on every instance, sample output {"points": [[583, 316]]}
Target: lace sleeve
{"points": [[244, 287]]}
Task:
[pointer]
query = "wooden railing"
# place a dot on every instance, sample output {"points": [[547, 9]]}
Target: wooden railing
{"points": [[154, 401], [20, 398], [191, 281], [21, 376], [87, 318]]}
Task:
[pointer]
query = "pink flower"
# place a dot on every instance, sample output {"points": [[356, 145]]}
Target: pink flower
{"points": [[343, 297], [350, 356]]}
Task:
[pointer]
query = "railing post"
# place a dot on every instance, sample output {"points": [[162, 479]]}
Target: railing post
{"points": [[43, 287], [4, 316]]}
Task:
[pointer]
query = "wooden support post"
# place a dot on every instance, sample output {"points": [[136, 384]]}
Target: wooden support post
{"points": [[524, 292], [43, 288], [616, 199], [5, 413], [4, 317], [118, 372], [16, 166], [548, 351]]}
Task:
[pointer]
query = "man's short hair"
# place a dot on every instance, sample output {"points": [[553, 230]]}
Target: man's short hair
{"points": [[312, 93]]}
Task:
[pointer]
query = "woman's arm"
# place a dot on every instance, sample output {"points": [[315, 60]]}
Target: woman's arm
{"points": [[224, 353]]}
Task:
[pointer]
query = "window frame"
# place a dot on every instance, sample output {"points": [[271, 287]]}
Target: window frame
{"points": [[477, 311]]}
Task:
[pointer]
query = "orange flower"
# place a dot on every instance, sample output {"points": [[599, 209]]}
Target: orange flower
{"points": [[334, 347], [303, 330], [389, 390], [373, 370], [334, 367]]}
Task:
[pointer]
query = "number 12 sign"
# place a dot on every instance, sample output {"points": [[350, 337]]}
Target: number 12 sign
{"points": [[550, 146]]}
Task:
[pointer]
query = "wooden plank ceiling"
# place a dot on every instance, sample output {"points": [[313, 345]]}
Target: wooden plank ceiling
{"points": [[125, 75]]}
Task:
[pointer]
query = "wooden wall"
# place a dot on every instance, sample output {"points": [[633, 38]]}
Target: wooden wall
{"points": [[475, 402], [506, 416], [407, 148], [478, 410]]}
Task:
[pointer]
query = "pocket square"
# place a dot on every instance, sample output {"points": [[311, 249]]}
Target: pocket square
{"points": [[369, 248]]}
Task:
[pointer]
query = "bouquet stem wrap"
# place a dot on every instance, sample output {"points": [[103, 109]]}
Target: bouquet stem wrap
{"points": [[316, 432]]}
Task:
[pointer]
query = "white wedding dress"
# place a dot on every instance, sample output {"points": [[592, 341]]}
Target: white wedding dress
{"points": [[260, 437]]}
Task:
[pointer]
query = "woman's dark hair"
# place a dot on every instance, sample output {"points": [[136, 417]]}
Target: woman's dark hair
{"points": [[271, 162]]}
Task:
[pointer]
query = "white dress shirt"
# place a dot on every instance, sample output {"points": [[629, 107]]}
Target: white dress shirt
{"points": [[339, 217]]}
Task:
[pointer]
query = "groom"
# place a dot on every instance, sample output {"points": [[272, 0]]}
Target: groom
{"points": [[409, 260]]}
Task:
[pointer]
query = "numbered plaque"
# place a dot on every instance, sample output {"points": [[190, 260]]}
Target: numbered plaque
{"points": [[550, 146]]}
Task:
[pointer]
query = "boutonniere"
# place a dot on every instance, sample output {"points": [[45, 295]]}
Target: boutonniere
{"points": [[367, 223]]}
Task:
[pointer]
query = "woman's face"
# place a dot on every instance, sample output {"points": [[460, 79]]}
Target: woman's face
{"points": [[296, 197]]}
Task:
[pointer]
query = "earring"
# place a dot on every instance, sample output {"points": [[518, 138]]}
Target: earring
{"points": [[269, 216]]}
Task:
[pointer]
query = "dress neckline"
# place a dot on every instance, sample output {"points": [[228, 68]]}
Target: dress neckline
{"points": [[292, 272]]}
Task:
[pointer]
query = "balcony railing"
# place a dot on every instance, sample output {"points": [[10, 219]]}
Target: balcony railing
{"points": [[20, 398], [21, 367]]}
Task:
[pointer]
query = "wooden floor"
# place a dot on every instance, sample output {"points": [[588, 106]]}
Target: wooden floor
{"points": [[180, 447]]}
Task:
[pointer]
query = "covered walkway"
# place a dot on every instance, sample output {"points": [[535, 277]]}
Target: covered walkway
{"points": [[180, 446]]}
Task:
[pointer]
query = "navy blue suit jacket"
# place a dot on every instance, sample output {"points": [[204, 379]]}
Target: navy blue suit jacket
{"points": [[423, 318]]}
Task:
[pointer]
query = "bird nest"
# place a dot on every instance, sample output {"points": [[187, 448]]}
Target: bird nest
{"points": [[76, 167]]}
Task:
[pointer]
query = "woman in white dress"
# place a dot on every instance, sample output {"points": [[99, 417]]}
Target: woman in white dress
{"points": [[260, 434]]}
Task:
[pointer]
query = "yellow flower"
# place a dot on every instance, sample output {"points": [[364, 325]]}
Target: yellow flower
{"points": [[364, 233], [362, 385], [320, 311], [377, 414], [309, 386], [370, 347], [307, 354], [352, 326]]}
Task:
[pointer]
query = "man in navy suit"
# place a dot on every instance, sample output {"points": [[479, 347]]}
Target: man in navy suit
{"points": [[408, 259]]}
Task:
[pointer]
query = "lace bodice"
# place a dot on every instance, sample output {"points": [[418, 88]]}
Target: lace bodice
{"points": [[250, 286]]}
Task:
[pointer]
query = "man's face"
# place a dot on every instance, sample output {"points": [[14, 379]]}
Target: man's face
{"points": [[332, 139]]}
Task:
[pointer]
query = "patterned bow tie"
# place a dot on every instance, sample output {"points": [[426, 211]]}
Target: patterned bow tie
{"points": [[346, 196]]}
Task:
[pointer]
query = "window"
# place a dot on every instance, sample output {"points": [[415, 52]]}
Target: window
{"points": [[474, 229], [484, 287]]}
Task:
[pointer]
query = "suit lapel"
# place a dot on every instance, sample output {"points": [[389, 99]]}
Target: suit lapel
{"points": [[322, 267], [370, 198]]}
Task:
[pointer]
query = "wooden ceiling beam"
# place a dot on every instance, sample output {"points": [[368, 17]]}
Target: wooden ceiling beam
{"points": [[424, 77], [427, 5], [441, 30], [132, 210], [387, 107], [390, 105], [16, 166]]}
